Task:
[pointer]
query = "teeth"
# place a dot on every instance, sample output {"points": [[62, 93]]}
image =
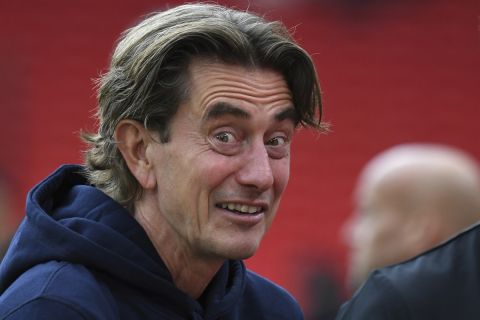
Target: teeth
{"points": [[240, 208]]}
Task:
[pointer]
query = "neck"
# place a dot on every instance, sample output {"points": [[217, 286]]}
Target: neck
{"points": [[194, 278], [190, 272]]}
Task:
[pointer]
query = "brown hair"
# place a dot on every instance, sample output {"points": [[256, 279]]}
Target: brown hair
{"points": [[147, 78]]}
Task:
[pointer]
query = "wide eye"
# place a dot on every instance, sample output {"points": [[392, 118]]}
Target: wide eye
{"points": [[225, 137], [277, 141], [278, 146], [227, 141]]}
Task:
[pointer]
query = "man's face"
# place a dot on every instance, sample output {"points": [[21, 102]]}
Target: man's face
{"points": [[221, 175], [377, 233]]}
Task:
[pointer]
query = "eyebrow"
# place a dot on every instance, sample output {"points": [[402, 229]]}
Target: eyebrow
{"points": [[221, 109], [289, 113]]}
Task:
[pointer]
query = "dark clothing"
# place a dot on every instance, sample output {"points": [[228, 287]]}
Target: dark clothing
{"points": [[441, 284], [80, 255]]}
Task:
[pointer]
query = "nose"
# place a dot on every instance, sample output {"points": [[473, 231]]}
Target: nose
{"points": [[353, 229], [256, 170], [347, 231]]}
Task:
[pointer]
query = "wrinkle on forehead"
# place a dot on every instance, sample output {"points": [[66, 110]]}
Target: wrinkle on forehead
{"points": [[212, 80]]}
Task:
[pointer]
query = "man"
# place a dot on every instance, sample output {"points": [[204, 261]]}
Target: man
{"points": [[411, 198], [408, 199], [182, 180]]}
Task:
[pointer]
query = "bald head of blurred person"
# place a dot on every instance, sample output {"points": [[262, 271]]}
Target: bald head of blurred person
{"points": [[409, 199]]}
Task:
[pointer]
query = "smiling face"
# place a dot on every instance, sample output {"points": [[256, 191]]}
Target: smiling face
{"points": [[220, 177]]}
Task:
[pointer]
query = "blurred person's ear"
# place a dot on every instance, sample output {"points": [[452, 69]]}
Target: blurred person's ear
{"points": [[424, 231]]}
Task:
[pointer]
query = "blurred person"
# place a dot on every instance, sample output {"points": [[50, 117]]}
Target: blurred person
{"points": [[410, 199], [182, 180]]}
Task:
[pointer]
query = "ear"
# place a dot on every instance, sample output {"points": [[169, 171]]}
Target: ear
{"points": [[132, 140], [426, 231]]}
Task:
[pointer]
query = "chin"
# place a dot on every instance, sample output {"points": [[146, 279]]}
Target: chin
{"points": [[244, 255], [241, 252]]}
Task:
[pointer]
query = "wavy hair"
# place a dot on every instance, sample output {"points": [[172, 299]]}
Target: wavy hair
{"points": [[148, 78]]}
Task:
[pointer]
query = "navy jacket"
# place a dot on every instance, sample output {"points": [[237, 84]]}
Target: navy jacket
{"points": [[441, 284], [80, 255]]}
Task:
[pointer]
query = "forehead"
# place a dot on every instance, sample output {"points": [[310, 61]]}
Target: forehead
{"points": [[213, 81]]}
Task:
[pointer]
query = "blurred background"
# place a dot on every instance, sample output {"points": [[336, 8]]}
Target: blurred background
{"points": [[391, 72]]}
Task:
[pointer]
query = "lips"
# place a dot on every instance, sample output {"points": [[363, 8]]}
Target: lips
{"points": [[240, 208]]}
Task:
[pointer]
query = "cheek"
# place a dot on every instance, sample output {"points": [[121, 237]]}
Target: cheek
{"points": [[383, 243], [362, 238], [366, 234], [281, 174], [215, 168]]}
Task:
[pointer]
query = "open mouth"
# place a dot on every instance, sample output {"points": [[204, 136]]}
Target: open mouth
{"points": [[240, 208]]}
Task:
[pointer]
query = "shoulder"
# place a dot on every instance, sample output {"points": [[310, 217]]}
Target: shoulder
{"points": [[56, 288], [377, 299], [453, 265], [269, 298], [417, 287]]}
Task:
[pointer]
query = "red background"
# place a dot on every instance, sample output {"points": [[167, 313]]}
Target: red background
{"points": [[391, 72]]}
